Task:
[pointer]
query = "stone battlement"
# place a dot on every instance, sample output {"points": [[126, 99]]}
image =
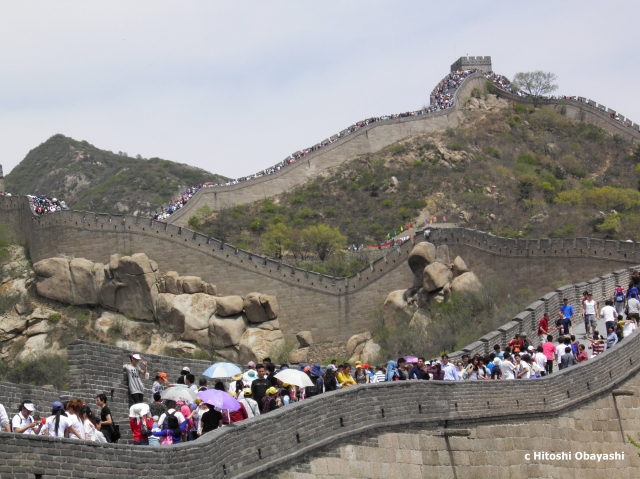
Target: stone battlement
{"points": [[466, 63]]}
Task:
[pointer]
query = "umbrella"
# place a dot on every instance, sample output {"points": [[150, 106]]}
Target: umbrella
{"points": [[219, 399], [178, 393], [410, 359], [297, 378], [222, 370]]}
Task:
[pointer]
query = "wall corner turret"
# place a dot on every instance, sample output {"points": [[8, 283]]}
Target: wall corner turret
{"points": [[467, 63]]}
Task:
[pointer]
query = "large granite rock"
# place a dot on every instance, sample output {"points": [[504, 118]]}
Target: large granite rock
{"points": [[395, 309], [304, 338], [191, 284], [436, 275], [256, 344], [442, 254], [459, 267], [229, 305], [189, 314], [356, 343], [227, 331], [298, 356], [466, 282], [53, 279], [421, 255], [171, 282], [260, 307]]}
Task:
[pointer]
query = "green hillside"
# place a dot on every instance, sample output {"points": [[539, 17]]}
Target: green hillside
{"points": [[89, 178], [514, 171]]}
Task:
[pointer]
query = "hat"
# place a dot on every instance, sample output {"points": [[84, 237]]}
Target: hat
{"points": [[186, 368], [317, 370], [163, 376], [250, 376], [332, 367], [358, 364], [251, 364], [271, 391], [247, 391], [57, 406], [496, 361], [366, 366], [156, 419], [307, 369], [531, 348], [136, 356], [237, 377], [138, 410], [29, 406]]}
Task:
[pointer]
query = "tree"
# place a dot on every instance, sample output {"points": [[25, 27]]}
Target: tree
{"points": [[324, 240], [536, 84], [296, 245], [275, 239]]}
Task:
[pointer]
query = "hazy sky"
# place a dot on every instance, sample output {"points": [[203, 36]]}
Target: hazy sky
{"points": [[236, 86]]}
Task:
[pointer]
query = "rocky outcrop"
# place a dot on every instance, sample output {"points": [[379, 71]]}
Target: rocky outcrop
{"points": [[258, 343], [227, 331], [466, 282], [396, 309], [260, 307], [304, 338], [436, 276], [360, 347], [230, 305]]}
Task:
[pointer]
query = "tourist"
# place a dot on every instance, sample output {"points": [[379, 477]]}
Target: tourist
{"points": [[172, 411], [210, 418], [57, 424], [449, 370], [567, 312], [401, 372], [250, 406], [183, 373], [497, 351], [507, 368], [157, 387], [590, 314], [344, 377], [136, 388], [315, 374], [543, 328], [270, 401], [549, 351], [522, 370], [202, 385], [330, 380], [418, 371], [23, 422], [609, 314], [157, 407], [567, 359], [633, 308], [271, 369], [141, 424], [359, 375], [89, 423], [259, 386], [189, 381], [379, 376], [582, 355], [612, 337], [496, 372], [598, 344], [516, 344], [5, 424], [239, 414], [172, 433], [541, 360], [619, 299], [106, 420], [73, 414]]}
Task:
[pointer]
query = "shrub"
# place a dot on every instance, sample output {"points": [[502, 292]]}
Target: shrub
{"points": [[54, 318], [194, 223], [40, 369], [418, 163], [387, 203], [396, 149], [528, 159], [492, 151], [456, 146], [8, 301]]}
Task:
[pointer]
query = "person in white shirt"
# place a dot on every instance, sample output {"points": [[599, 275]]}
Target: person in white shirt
{"points": [[58, 423], [23, 422], [73, 415], [507, 368], [522, 368], [4, 419], [590, 314], [634, 308], [170, 412], [251, 406], [609, 314], [449, 369], [541, 360]]}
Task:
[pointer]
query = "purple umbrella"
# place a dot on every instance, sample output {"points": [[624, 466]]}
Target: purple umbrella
{"points": [[219, 399], [410, 359]]}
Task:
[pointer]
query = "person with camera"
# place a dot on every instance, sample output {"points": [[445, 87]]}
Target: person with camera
{"points": [[23, 422]]}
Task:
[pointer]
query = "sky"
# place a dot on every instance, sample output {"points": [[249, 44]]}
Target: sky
{"points": [[236, 86]]}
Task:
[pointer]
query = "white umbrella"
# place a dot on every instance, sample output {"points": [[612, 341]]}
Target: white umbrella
{"points": [[295, 377], [178, 393]]}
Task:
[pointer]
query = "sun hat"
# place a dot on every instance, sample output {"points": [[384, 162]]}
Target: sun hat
{"points": [[358, 364], [251, 364], [317, 370], [271, 391], [496, 361], [247, 391], [237, 377], [138, 410], [531, 348], [136, 356], [29, 406], [163, 376], [186, 368]]}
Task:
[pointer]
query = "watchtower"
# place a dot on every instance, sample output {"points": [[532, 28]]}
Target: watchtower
{"points": [[466, 63]]}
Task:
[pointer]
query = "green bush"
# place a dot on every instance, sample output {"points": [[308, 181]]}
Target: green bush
{"points": [[8, 301], [528, 159], [54, 318], [456, 146], [492, 151], [387, 203], [396, 149], [40, 369]]}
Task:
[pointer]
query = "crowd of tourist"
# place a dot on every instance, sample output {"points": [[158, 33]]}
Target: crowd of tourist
{"points": [[41, 205]]}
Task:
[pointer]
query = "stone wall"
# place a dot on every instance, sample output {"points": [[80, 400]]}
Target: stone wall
{"points": [[468, 63], [368, 139]]}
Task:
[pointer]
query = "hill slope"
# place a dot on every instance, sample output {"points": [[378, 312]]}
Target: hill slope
{"points": [[92, 179], [514, 171]]}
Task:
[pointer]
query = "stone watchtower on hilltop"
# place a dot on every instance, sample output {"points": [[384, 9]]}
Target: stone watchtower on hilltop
{"points": [[465, 63]]}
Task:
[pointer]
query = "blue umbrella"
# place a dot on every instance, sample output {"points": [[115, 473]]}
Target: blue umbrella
{"points": [[219, 399], [222, 370]]}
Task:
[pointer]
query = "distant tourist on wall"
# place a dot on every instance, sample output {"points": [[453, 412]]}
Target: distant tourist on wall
{"points": [[136, 388], [106, 420]]}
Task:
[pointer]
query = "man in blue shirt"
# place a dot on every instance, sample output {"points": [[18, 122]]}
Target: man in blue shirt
{"points": [[567, 312], [449, 369], [612, 338]]}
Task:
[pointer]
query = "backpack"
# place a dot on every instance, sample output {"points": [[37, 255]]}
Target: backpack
{"points": [[115, 436], [165, 423], [619, 295]]}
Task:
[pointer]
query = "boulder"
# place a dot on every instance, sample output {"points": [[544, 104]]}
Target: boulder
{"points": [[209, 288], [229, 354], [53, 279], [11, 326], [227, 331], [268, 325], [83, 281], [229, 305], [191, 284], [171, 282], [304, 338], [298, 356], [395, 309], [132, 346], [442, 254], [446, 292], [355, 341], [113, 261], [459, 267], [421, 255], [33, 346], [164, 311], [420, 320], [194, 311], [133, 290], [39, 315], [370, 352], [108, 319], [257, 344], [182, 347], [466, 282], [41, 327], [436, 275], [260, 307], [157, 346]]}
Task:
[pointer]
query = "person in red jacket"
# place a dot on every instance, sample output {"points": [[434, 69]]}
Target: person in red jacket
{"points": [[139, 415], [238, 414]]}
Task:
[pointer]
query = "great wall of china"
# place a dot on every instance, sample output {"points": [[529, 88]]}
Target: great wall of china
{"points": [[411, 429]]}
